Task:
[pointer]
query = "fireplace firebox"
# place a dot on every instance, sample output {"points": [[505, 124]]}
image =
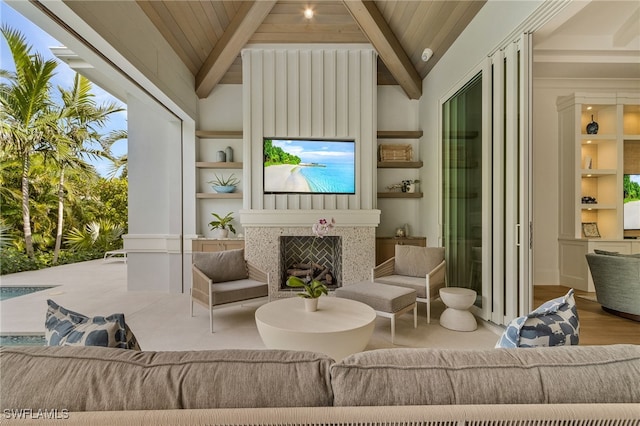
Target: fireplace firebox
{"points": [[311, 258]]}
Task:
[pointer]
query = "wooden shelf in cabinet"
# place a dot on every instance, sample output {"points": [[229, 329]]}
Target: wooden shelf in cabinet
{"points": [[399, 164], [218, 165], [596, 173], [598, 206], [219, 134], [228, 195], [399, 194], [399, 134], [597, 138]]}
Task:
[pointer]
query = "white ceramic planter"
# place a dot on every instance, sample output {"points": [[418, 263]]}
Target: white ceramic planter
{"points": [[311, 305], [220, 233]]}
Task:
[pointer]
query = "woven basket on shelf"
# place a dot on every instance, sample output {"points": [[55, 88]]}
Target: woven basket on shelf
{"points": [[396, 152]]}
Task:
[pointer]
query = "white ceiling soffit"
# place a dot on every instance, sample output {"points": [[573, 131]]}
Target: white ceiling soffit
{"points": [[590, 39]]}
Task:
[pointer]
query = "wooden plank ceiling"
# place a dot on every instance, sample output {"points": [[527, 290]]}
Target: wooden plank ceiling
{"points": [[208, 35]]}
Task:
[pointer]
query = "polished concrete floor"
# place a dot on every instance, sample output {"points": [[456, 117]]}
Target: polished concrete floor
{"points": [[162, 321]]}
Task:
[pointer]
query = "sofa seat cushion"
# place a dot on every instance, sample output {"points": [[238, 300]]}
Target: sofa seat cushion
{"points": [[105, 379], [554, 323], [234, 291], [419, 284], [564, 374], [67, 328]]}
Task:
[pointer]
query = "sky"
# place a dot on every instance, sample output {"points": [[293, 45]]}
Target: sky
{"points": [[40, 42], [318, 151]]}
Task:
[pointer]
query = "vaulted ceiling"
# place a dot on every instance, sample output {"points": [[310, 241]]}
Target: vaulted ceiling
{"points": [[208, 35]]}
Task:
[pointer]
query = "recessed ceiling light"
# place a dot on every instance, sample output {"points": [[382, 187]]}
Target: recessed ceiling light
{"points": [[308, 13]]}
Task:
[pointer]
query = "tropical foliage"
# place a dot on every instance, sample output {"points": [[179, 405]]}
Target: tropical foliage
{"points": [[49, 193], [631, 189], [275, 155]]}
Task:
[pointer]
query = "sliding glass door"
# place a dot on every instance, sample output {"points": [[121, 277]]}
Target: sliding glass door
{"points": [[485, 217], [462, 188]]}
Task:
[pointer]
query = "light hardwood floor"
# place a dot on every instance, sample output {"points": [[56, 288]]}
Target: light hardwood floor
{"points": [[597, 327]]}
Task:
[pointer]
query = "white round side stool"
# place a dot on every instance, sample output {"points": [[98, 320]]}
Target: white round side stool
{"points": [[457, 316]]}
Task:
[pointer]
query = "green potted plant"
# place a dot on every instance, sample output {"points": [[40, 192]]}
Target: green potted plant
{"points": [[222, 225], [222, 184]]}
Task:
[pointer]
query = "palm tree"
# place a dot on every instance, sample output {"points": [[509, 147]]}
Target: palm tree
{"points": [[118, 166], [80, 120], [26, 112]]}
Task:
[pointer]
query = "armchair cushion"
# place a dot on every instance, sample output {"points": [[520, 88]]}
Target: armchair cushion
{"points": [[237, 290], [416, 283], [417, 261], [222, 266], [554, 323]]}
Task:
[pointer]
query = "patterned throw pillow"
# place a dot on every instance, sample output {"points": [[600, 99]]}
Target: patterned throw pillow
{"points": [[554, 323], [68, 328]]}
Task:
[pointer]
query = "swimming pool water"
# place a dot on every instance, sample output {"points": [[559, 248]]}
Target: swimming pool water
{"points": [[24, 340], [8, 292]]}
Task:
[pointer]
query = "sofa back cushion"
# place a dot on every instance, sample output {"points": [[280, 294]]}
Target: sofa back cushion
{"points": [[102, 379], [563, 374], [222, 266]]}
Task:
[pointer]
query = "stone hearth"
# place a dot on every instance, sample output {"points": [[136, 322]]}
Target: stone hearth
{"points": [[356, 229]]}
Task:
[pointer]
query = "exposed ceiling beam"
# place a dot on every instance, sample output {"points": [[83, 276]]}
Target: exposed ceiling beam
{"points": [[380, 35], [628, 31], [240, 29]]}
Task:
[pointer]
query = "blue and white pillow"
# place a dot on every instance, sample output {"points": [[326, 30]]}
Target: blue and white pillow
{"points": [[554, 323], [67, 328]]}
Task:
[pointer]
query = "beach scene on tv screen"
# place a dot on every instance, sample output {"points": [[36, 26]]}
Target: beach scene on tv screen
{"points": [[309, 166], [631, 202]]}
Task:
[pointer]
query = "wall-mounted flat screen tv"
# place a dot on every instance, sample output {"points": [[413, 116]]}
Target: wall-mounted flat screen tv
{"points": [[309, 166], [631, 213]]}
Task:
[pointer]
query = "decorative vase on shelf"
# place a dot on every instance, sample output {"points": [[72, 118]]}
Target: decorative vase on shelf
{"points": [[221, 156], [311, 304], [229, 154], [592, 127]]}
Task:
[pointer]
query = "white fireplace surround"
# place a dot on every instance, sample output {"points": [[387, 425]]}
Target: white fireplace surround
{"points": [[264, 227]]}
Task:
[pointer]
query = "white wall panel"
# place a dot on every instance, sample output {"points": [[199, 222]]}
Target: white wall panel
{"points": [[318, 92]]}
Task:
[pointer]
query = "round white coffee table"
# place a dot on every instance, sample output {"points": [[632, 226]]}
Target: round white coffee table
{"points": [[339, 327], [457, 316]]}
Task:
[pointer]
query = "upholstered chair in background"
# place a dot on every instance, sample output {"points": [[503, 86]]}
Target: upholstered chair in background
{"points": [[420, 268], [225, 278], [616, 278]]}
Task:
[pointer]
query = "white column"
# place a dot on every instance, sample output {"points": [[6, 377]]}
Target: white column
{"points": [[155, 198]]}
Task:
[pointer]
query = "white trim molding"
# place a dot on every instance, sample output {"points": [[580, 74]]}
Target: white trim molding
{"points": [[152, 243], [296, 218]]}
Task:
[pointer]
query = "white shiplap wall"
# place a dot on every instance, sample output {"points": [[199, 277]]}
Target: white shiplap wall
{"points": [[316, 92]]}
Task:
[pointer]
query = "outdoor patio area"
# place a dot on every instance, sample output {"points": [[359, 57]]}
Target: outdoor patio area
{"points": [[162, 321]]}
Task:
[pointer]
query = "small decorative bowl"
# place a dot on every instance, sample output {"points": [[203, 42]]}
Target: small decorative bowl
{"points": [[224, 189]]}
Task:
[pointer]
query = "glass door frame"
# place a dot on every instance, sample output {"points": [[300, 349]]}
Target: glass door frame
{"points": [[506, 176]]}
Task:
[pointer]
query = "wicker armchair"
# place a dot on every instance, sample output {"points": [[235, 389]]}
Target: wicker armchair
{"points": [[420, 268], [225, 278]]}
